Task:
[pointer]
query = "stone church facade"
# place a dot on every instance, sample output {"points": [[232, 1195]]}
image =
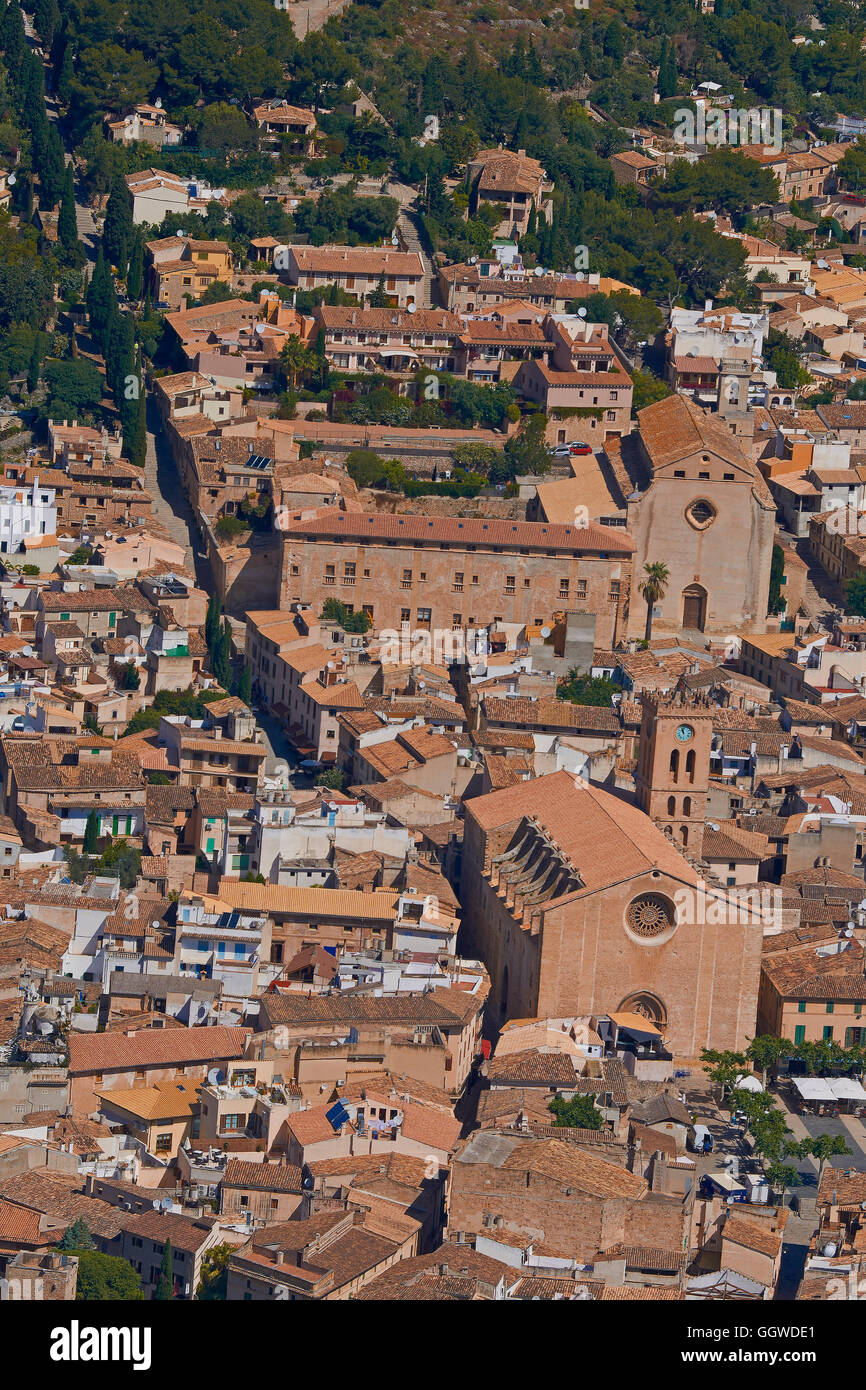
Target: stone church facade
{"points": [[574, 900], [699, 505]]}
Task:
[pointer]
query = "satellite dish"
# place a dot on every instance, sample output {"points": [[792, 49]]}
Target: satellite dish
{"points": [[12, 178], [215, 1077], [545, 632], [539, 270], [581, 313], [411, 308]]}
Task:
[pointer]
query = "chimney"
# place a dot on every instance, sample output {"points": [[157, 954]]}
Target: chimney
{"points": [[708, 304]]}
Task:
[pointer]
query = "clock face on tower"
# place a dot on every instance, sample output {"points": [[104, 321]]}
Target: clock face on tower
{"points": [[684, 733]]}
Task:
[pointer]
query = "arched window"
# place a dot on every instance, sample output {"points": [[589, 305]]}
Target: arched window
{"points": [[675, 764], [690, 764], [687, 806], [672, 805], [684, 834]]}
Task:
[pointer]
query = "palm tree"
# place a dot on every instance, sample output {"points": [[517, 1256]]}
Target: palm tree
{"points": [[653, 588], [296, 359]]}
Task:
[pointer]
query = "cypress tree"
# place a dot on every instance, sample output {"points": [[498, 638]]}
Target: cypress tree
{"points": [[135, 273], [117, 231], [13, 39], [67, 225], [100, 295], [35, 365], [46, 19], [165, 1282], [244, 685], [212, 622], [667, 78], [91, 833], [51, 165], [134, 418], [63, 85], [222, 666]]}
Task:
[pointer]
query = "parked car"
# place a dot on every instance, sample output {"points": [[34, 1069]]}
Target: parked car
{"points": [[580, 448]]}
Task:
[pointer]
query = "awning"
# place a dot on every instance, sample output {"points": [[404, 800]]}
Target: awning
{"points": [[823, 1088], [844, 1088], [748, 1083], [814, 1088], [636, 1024]]}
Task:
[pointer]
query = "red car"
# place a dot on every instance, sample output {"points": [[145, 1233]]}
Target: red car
{"points": [[580, 448]]}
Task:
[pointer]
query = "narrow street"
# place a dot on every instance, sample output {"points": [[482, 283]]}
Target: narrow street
{"points": [[170, 506]]}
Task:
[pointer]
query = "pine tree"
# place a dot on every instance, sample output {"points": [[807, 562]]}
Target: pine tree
{"points": [[165, 1282], [91, 833], [77, 1237], [135, 273]]}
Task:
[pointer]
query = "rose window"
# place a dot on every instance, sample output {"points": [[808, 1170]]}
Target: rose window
{"points": [[649, 915]]}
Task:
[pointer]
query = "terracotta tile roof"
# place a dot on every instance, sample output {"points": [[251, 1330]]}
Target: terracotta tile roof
{"points": [[641, 1293], [184, 1232], [532, 1068], [575, 1167], [842, 1188], [381, 320], [459, 1262], [357, 260], [20, 1225], [605, 838], [528, 713], [313, 903], [727, 844], [754, 1235], [60, 1196], [99, 1052], [425, 1125], [508, 171], [539, 535], [301, 1010], [164, 1100], [646, 1257], [263, 1177]]}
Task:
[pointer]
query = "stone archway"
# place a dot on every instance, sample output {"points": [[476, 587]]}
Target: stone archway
{"points": [[648, 1005]]}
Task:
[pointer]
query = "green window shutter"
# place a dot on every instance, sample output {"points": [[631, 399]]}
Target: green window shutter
{"points": [[209, 845], [112, 619], [115, 820], [64, 617], [800, 1033], [828, 1033], [801, 1007]]}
